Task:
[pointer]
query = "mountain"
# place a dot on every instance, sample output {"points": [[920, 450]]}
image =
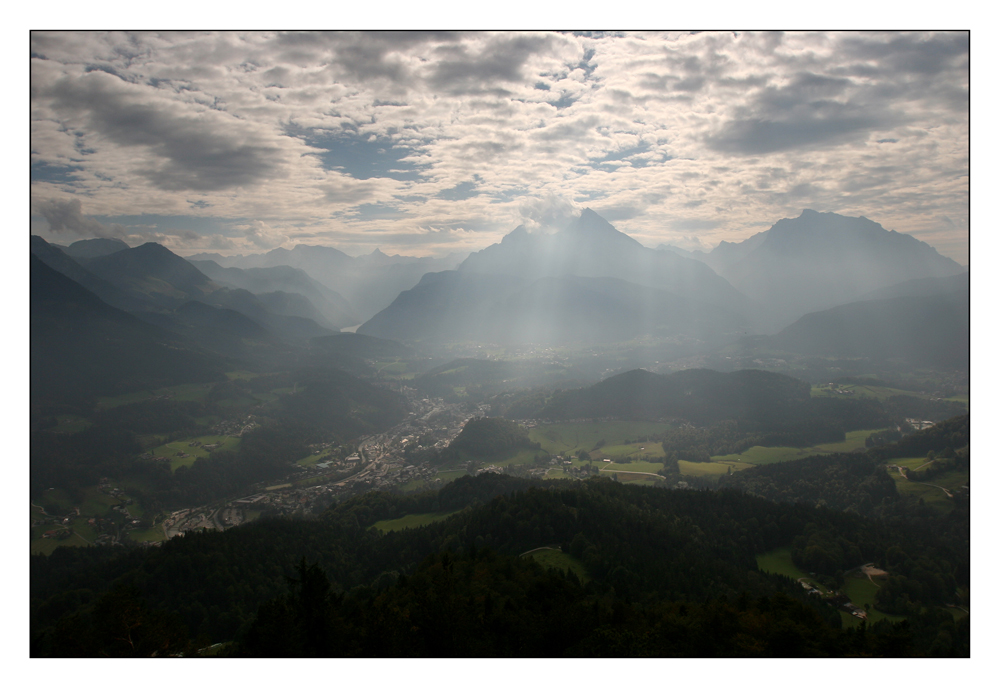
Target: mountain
{"points": [[153, 272], [57, 259], [587, 283], [728, 253], [334, 310], [86, 249], [820, 260], [82, 347], [285, 324], [444, 306], [926, 330], [928, 286], [368, 283], [697, 395], [591, 247], [222, 330]]}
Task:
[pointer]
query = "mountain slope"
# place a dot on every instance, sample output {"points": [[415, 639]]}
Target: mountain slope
{"points": [[698, 395], [86, 249], [925, 330], [335, 311], [592, 247], [588, 283], [820, 260], [153, 272], [369, 283], [82, 347]]}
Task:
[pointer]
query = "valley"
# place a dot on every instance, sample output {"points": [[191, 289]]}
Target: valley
{"points": [[508, 379]]}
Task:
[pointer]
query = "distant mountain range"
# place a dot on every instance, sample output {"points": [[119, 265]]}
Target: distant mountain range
{"points": [[367, 283], [820, 284], [158, 286], [586, 283], [820, 260], [326, 306]]}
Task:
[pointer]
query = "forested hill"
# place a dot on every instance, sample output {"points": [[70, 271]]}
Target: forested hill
{"points": [[667, 573], [81, 347], [698, 395], [489, 437]]}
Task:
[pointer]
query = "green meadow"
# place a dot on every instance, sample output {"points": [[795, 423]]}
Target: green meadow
{"points": [[710, 469], [171, 449], [568, 438], [69, 424], [859, 589], [557, 559], [759, 456], [864, 391], [188, 392], [410, 521]]}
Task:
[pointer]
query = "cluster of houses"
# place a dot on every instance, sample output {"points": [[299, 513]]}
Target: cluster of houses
{"points": [[235, 428]]}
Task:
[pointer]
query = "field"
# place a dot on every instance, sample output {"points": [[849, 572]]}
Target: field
{"points": [[154, 534], [865, 391], [188, 392], [715, 468], [759, 456], [92, 503], [410, 521], [171, 449], [568, 438], [556, 559], [70, 424], [418, 484], [933, 496], [780, 561], [860, 590]]}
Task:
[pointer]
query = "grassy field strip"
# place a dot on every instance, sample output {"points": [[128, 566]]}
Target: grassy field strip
{"points": [[759, 456], [714, 468], [860, 590], [563, 438], [870, 391], [195, 391], [170, 450], [557, 559], [410, 521]]}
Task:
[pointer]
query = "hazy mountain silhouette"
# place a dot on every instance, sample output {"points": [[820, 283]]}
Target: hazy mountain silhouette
{"points": [[288, 325], [81, 346], [58, 260], [222, 330], [699, 395], [591, 247], [928, 286], [930, 329], [819, 260], [153, 272], [335, 312], [369, 283], [87, 249], [586, 283]]}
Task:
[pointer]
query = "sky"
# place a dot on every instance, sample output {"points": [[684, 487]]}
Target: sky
{"points": [[429, 143]]}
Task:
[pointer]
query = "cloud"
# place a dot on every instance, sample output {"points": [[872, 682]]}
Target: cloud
{"points": [[483, 66], [545, 214], [318, 132], [67, 216], [205, 150], [260, 235]]}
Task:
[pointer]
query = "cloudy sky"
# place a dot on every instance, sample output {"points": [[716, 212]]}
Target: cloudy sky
{"points": [[431, 143]]}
